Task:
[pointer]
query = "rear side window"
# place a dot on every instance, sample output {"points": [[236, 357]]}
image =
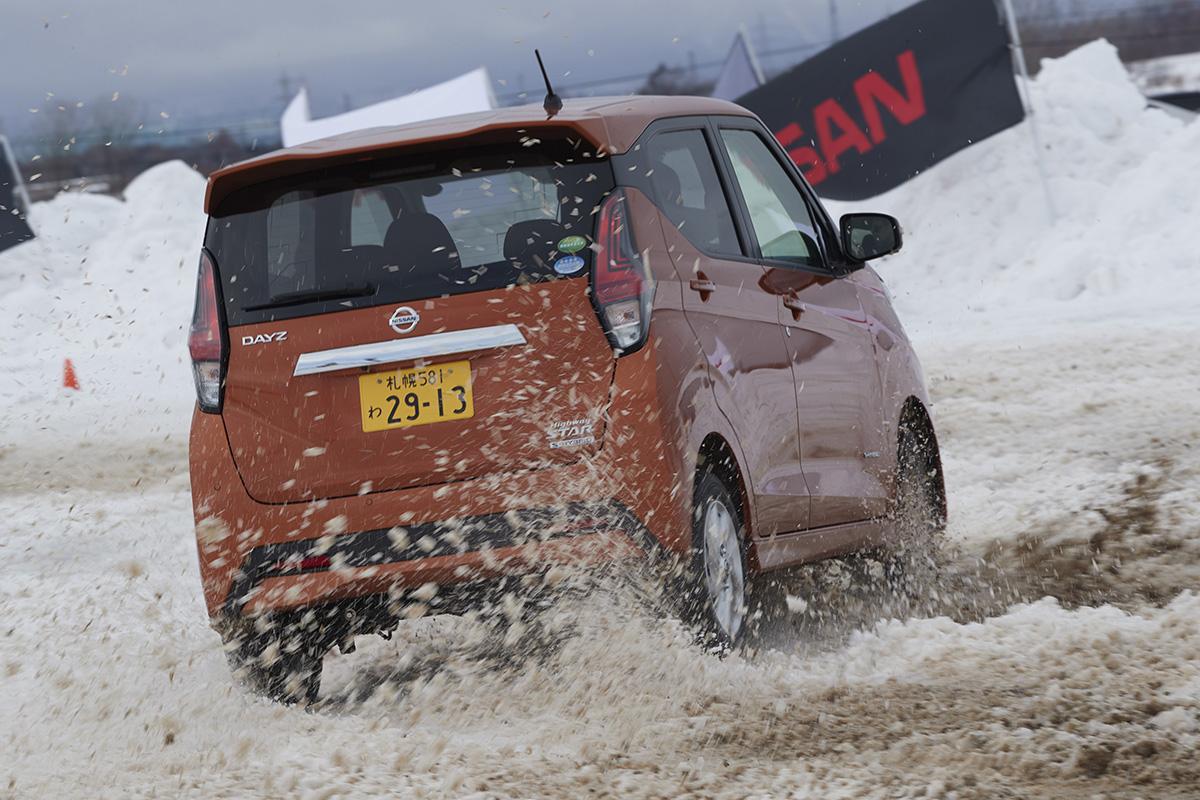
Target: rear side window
{"points": [[402, 230], [686, 188]]}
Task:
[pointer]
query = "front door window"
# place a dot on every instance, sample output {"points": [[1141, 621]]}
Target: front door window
{"points": [[778, 214]]}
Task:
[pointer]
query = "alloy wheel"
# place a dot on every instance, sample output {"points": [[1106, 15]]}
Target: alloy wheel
{"points": [[723, 573]]}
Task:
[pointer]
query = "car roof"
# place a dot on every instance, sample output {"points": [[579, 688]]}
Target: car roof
{"points": [[611, 124]]}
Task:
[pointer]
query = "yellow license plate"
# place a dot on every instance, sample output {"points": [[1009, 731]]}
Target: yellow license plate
{"points": [[419, 396]]}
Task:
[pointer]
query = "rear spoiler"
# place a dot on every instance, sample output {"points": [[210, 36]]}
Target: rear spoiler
{"points": [[365, 145]]}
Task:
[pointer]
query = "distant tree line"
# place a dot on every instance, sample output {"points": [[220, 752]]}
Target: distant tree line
{"points": [[104, 144], [1147, 29], [672, 79]]}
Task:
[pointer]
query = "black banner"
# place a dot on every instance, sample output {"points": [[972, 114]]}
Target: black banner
{"points": [[894, 99], [14, 228]]}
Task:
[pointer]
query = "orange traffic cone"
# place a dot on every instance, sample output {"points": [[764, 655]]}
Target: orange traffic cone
{"points": [[69, 379]]}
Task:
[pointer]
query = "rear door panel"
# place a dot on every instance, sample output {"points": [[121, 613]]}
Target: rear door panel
{"points": [[737, 325]]}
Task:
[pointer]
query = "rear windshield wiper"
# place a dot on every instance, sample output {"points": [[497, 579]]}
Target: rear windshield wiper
{"points": [[313, 296]]}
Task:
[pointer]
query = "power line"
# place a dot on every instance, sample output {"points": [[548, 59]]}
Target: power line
{"points": [[1059, 26], [641, 76], [1025, 22]]}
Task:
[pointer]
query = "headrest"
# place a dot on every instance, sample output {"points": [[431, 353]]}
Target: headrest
{"points": [[668, 189], [417, 239], [532, 239]]}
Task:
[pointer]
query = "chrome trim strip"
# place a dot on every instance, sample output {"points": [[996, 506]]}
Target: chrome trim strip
{"points": [[429, 346]]}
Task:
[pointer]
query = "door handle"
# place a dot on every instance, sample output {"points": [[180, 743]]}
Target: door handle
{"points": [[795, 306], [703, 285]]}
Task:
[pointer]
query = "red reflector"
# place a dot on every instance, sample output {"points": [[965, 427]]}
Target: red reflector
{"points": [[316, 562], [304, 564]]}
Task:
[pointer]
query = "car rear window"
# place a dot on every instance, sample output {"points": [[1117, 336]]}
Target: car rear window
{"points": [[406, 229]]}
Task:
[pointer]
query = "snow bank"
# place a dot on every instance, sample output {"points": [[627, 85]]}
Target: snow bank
{"points": [[108, 284], [980, 241]]}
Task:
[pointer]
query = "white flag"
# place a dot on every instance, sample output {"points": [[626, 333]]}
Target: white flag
{"points": [[740, 73], [462, 95]]}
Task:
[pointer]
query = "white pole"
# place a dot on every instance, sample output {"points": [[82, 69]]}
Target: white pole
{"points": [[754, 65], [1014, 36]]}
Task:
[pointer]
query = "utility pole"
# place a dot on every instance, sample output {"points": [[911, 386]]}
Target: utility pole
{"points": [[1018, 53], [764, 40], [285, 88], [835, 33]]}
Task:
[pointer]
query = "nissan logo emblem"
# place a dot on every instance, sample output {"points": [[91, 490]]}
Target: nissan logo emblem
{"points": [[404, 319]]}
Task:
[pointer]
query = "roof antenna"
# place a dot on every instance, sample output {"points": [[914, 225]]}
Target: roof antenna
{"points": [[553, 103]]}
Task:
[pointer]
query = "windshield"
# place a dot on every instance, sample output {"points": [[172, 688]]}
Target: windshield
{"points": [[398, 230]]}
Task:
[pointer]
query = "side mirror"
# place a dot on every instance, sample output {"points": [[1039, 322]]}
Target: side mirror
{"points": [[869, 236]]}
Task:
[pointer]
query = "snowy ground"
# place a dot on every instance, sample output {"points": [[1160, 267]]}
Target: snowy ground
{"points": [[1057, 656]]}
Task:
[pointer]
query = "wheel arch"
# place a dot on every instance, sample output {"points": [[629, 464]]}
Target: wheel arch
{"points": [[717, 454]]}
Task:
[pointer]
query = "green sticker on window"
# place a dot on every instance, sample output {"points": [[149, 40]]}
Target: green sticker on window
{"points": [[571, 244]]}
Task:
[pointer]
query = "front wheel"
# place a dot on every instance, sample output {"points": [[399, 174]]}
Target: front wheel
{"points": [[919, 517]]}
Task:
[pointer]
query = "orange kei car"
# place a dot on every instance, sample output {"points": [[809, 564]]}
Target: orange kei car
{"points": [[442, 356]]}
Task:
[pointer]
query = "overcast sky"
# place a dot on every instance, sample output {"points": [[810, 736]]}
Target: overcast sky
{"points": [[215, 60]]}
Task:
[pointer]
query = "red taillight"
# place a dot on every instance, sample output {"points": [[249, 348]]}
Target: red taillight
{"points": [[206, 340], [620, 285]]}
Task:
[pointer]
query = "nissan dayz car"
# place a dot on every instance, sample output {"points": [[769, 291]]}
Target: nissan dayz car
{"points": [[441, 356]]}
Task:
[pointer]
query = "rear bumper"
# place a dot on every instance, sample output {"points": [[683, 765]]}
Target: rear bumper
{"points": [[625, 498], [295, 574], [588, 512]]}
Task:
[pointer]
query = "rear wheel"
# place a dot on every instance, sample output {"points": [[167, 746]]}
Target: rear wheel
{"points": [[276, 657], [722, 600]]}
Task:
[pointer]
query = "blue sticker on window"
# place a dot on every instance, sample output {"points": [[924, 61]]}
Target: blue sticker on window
{"points": [[568, 265]]}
